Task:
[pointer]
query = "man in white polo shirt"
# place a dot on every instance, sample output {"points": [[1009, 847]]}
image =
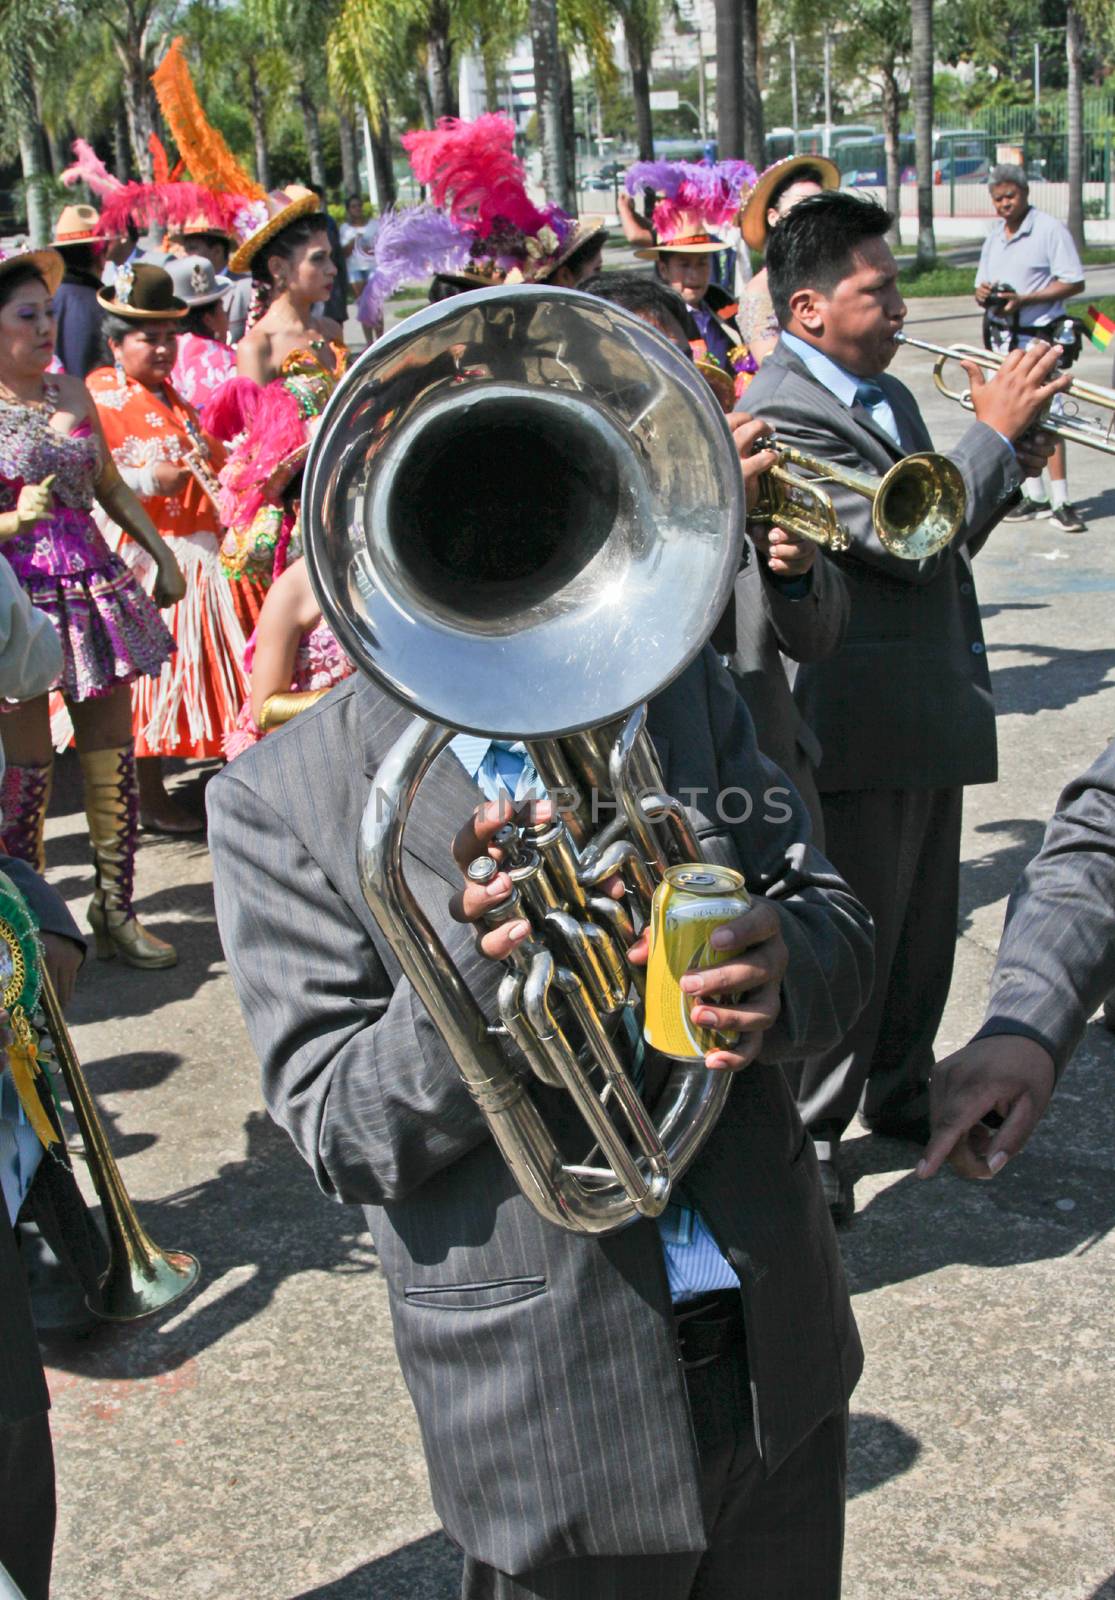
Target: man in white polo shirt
{"points": [[1034, 254]]}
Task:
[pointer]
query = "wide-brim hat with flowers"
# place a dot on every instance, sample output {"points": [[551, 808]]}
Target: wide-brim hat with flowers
{"points": [[697, 199], [753, 222], [142, 292], [78, 224], [581, 234], [47, 263], [281, 208]]}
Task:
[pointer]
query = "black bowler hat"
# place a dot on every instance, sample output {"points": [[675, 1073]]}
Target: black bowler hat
{"points": [[142, 292]]}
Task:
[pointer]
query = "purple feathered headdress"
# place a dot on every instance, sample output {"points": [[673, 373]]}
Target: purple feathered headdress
{"points": [[709, 193], [410, 246]]}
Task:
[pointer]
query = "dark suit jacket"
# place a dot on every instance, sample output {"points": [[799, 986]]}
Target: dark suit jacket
{"points": [[906, 700], [542, 1364], [23, 1390], [768, 626], [1056, 960], [79, 324]]}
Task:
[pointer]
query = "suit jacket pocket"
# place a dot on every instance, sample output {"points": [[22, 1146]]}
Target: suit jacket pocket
{"points": [[473, 1296]]}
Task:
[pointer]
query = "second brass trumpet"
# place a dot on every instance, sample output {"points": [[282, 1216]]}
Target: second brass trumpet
{"points": [[917, 507]]}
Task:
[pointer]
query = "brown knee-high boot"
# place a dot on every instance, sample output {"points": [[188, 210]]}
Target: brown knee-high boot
{"points": [[24, 797], [112, 807]]}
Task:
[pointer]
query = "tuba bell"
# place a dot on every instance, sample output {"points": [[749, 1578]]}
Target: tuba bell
{"points": [[522, 516]]}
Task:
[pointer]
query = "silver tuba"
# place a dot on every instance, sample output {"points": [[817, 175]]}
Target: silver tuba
{"points": [[523, 516]]}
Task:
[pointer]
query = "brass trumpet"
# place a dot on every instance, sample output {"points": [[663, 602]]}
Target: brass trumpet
{"points": [[141, 1278], [1068, 422], [916, 508]]}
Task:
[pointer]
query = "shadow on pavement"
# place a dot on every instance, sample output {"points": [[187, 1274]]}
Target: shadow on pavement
{"points": [[878, 1449], [1056, 1199], [991, 876], [258, 1222], [1058, 678], [428, 1569]]}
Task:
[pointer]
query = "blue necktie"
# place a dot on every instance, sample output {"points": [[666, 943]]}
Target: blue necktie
{"points": [[869, 394]]}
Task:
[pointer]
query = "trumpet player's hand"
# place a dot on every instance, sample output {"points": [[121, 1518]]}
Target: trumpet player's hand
{"points": [[1015, 397], [748, 432], [1033, 451], [787, 556], [475, 901], [743, 995], [62, 958]]}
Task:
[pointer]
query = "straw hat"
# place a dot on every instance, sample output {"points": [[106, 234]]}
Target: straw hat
{"points": [[753, 223], [78, 225], [686, 235], [580, 234], [142, 292], [284, 206], [47, 263]]}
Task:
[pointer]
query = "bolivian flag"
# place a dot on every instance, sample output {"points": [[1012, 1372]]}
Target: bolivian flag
{"points": [[1100, 328]]}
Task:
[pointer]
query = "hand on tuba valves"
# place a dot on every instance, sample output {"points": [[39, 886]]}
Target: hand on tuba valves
{"points": [[740, 996]]}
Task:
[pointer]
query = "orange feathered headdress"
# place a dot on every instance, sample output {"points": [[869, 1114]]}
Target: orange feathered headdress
{"points": [[208, 158]]}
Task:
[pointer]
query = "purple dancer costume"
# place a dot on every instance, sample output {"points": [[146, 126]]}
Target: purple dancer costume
{"points": [[110, 630]]}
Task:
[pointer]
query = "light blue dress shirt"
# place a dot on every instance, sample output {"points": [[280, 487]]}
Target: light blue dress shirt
{"points": [[695, 1264], [842, 383]]}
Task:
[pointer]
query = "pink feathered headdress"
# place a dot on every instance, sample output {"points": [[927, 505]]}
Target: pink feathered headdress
{"points": [[176, 205], [473, 173]]}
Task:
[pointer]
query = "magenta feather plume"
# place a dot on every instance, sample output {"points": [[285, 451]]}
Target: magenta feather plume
{"points": [[710, 191], [90, 170], [410, 246], [471, 170]]}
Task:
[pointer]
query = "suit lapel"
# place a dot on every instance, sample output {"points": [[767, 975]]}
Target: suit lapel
{"points": [[783, 356], [445, 798]]}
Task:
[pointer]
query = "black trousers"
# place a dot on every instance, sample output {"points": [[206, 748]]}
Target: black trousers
{"points": [[27, 1505], [899, 850], [770, 1538]]}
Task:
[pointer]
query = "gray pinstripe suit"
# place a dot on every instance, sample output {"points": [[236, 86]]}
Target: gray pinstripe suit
{"points": [[542, 1365], [1056, 959]]}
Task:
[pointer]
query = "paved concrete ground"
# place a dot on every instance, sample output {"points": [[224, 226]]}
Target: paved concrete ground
{"points": [[256, 1443]]}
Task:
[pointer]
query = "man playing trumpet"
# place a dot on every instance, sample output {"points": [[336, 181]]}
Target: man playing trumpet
{"points": [[903, 709]]}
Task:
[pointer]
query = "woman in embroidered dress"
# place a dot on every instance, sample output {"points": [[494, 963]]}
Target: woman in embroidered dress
{"points": [[205, 359], [292, 270], [157, 444], [293, 658], [53, 463]]}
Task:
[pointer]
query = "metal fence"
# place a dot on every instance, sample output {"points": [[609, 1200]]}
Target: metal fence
{"points": [[963, 161]]}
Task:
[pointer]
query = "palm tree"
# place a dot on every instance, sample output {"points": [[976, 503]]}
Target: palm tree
{"points": [[545, 47], [729, 78], [642, 24], [19, 95], [1074, 119], [921, 80], [753, 141]]}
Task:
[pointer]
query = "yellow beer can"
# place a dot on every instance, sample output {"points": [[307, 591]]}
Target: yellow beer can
{"points": [[690, 903]]}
